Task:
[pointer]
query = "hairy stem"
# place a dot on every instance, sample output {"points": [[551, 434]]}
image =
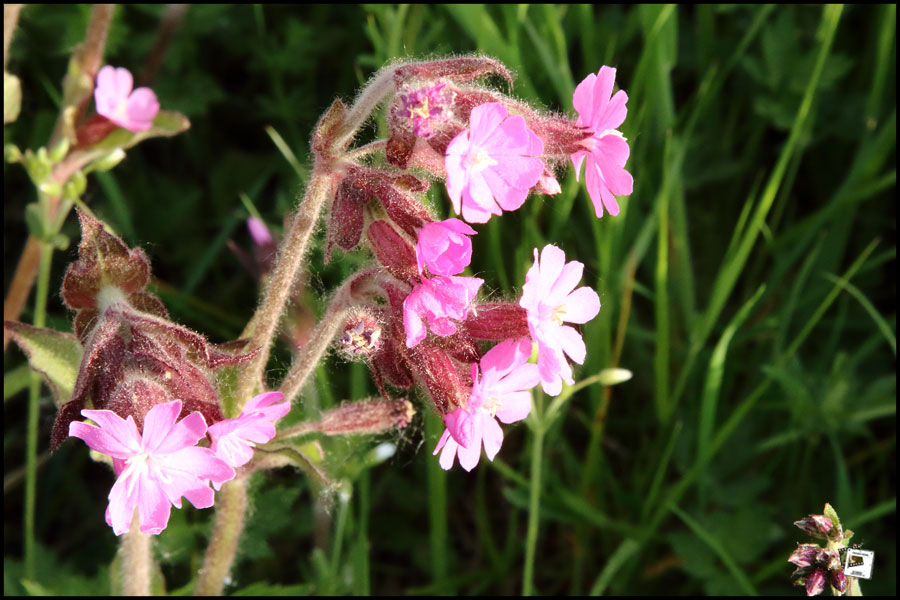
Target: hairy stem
{"points": [[231, 509], [378, 88], [278, 290], [136, 560], [23, 279]]}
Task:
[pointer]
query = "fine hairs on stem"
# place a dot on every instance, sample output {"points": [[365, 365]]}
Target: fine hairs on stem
{"points": [[135, 550]]}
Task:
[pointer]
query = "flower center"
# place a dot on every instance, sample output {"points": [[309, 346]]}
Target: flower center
{"points": [[558, 313], [420, 109], [492, 405], [479, 161]]}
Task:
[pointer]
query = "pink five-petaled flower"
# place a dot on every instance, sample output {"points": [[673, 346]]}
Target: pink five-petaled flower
{"points": [[444, 247], [233, 440], [493, 162], [549, 300], [156, 468], [606, 150], [438, 299], [503, 391], [115, 100]]}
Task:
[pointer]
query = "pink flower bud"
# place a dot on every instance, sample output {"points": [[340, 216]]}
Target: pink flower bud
{"points": [[444, 247], [461, 69], [497, 321], [815, 582], [548, 184], [839, 580], [815, 525], [393, 250], [366, 417], [804, 555], [440, 376]]}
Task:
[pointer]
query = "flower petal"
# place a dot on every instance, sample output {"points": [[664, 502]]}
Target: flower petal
{"points": [[493, 437], [581, 306]]}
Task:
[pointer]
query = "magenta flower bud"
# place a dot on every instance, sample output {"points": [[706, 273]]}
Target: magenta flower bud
{"points": [[367, 417], [839, 581], [444, 247], [393, 250], [362, 336], [815, 582], [259, 232], [815, 525], [497, 321], [828, 559], [548, 184], [441, 378], [420, 109], [804, 555]]}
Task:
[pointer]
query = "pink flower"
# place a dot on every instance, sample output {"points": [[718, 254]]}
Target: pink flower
{"points": [[444, 247], [549, 300], [606, 150], [493, 162], [438, 299], [156, 468], [233, 440], [424, 107], [115, 100], [502, 391]]}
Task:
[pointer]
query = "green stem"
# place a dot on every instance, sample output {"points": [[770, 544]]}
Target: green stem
{"points": [[40, 318], [230, 511], [136, 562], [534, 505]]}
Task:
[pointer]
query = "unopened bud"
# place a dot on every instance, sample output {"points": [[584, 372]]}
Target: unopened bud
{"points": [[839, 581], [805, 555], [815, 525], [497, 321], [393, 250], [440, 375], [815, 582], [367, 417], [362, 336], [548, 184]]}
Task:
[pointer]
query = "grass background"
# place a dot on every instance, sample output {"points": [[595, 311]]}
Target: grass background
{"points": [[748, 283]]}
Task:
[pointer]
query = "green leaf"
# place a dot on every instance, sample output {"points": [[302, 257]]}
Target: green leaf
{"points": [[53, 354], [166, 124]]}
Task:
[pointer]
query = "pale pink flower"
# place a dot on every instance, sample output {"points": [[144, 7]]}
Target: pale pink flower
{"points": [[492, 164], [503, 391], [156, 468], [233, 440], [549, 300], [444, 247], [425, 107], [115, 100], [606, 150], [438, 299]]}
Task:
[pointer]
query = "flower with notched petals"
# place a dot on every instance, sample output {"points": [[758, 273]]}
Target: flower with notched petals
{"points": [[132, 109]]}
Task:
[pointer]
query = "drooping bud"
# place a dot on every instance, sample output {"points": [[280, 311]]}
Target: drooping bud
{"points": [[265, 246], [828, 559], [345, 226], [838, 581], [497, 321], [815, 582], [362, 335], [440, 376], [548, 184], [393, 250], [815, 525], [366, 417], [805, 555]]}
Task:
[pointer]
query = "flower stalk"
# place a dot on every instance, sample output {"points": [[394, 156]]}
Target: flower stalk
{"points": [[231, 508], [137, 562]]}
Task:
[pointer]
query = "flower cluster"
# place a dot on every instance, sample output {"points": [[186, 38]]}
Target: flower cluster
{"points": [[818, 566], [492, 151]]}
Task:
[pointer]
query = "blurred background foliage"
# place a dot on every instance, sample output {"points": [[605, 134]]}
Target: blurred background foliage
{"points": [[764, 377]]}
